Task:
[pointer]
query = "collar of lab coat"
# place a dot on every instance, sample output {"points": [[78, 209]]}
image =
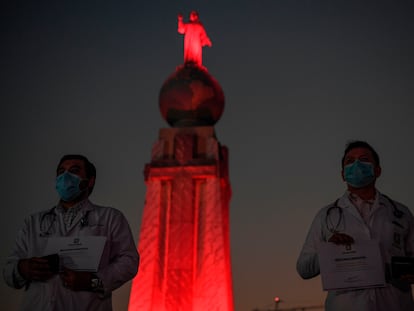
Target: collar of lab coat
{"points": [[83, 206], [345, 203]]}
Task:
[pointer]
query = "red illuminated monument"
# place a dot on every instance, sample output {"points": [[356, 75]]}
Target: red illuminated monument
{"points": [[195, 37], [184, 238]]}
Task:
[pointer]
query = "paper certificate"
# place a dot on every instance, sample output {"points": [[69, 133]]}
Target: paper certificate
{"points": [[351, 266], [81, 253]]}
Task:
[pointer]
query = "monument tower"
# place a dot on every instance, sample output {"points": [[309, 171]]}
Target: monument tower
{"points": [[184, 239]]}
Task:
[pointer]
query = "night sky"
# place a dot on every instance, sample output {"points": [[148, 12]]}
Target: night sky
{"points": [[301, 79]]}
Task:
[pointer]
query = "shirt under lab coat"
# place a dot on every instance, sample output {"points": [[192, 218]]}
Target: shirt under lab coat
{"points": [[396, 238], [118, 264]]}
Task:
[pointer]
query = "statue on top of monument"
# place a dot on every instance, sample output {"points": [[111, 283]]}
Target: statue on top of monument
{"points": [[195, 37]]}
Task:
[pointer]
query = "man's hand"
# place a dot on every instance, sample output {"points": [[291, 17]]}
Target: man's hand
{"points": [[35, 269], [341, 239], [76, 280], [180, 16]]}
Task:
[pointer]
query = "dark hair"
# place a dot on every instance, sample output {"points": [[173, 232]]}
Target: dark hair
{"points": [[360, 144], [89, 167]]}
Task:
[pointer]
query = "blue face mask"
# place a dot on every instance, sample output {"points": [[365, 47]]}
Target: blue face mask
{"points": [[67, 185], [359, 174]]}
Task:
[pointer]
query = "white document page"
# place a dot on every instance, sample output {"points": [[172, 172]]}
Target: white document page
{"points": [[81, 253], [354, 266]]}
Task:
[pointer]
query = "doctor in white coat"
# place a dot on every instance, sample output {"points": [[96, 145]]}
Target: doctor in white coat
{"points": [[363, 213], [46, 286]]}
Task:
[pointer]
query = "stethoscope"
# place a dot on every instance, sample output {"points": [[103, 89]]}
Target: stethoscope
{"points": [[51, 215], [333, 227]]}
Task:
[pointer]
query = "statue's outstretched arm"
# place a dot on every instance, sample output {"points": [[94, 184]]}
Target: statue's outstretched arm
{"points": [[205, 40], [181, 25]]}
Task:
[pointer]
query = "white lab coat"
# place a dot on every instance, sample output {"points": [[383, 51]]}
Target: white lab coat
{"points": [[119, 261], [395, 240]]}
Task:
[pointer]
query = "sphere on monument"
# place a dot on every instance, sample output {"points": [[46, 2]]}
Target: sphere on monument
{"points": [[191, 97]]}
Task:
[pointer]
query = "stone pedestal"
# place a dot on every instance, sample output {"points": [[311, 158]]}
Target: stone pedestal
{"points": [[184, 239]]}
